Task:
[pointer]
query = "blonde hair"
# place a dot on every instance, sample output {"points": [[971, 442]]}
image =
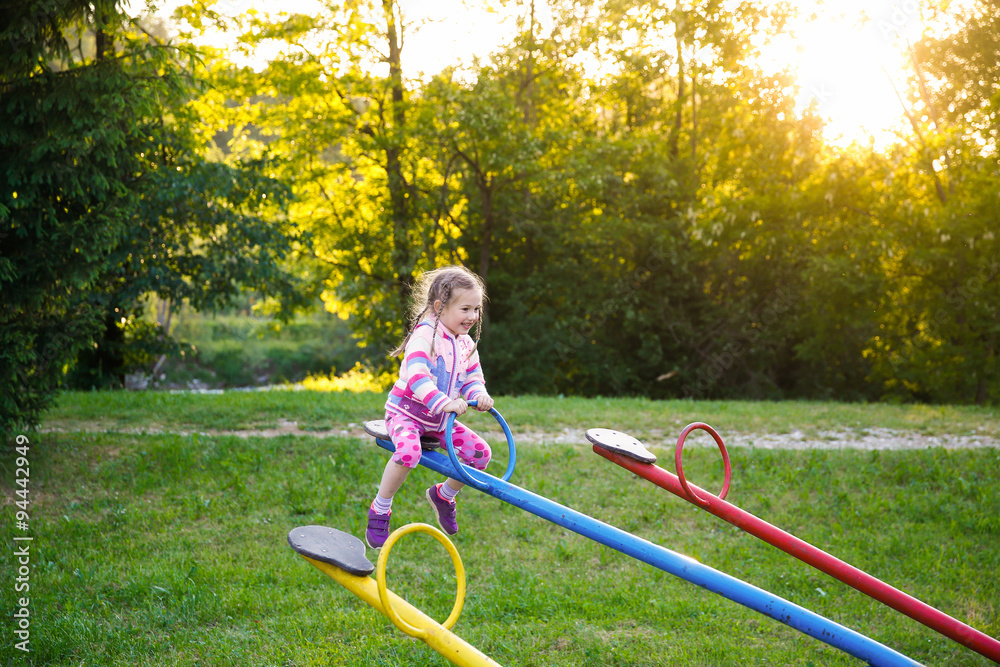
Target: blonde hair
{"points": [[439, 285]]}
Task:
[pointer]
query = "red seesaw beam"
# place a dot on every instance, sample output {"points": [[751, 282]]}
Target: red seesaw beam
{"points": [[850, 575]]}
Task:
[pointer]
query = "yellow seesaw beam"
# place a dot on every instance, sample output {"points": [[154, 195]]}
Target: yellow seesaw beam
{"points": [[405, 616]]}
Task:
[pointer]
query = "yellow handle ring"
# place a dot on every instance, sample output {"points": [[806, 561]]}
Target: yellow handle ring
{"points": [[383, 592]]}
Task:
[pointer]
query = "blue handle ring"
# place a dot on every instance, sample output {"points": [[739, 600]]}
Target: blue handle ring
{"points": [[463, 470]]}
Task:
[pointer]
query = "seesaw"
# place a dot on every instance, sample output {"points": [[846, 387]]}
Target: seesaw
{"points": [[342, 558], [734, 589], [632, 455]]}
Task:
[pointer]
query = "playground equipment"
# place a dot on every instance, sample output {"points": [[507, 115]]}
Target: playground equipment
{"points": [[632, 455], [690, 570], [342, 558]]}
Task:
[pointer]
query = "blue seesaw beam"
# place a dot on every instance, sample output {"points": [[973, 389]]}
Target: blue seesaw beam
{"points": [[803, 620]]}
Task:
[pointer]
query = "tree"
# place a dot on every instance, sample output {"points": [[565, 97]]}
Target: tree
{"points": [[941, 322], [107, 196], [652, 213], [335, 106], [71, 137], [208, 231]]}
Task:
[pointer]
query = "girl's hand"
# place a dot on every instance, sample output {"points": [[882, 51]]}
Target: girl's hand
{"points": [[484, 402], [458, 406]]}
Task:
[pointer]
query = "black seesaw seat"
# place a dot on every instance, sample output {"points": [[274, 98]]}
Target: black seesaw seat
{"points": [[329, 545], [620, 443]]}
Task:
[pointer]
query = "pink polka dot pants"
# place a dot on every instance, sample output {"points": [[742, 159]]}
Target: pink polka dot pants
{"points": [[471, 449]]}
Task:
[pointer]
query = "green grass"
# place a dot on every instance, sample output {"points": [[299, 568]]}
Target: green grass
{"points": [[162, 549]]}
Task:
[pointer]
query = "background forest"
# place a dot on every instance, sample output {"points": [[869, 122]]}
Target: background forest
{"points": [[653, 213]]}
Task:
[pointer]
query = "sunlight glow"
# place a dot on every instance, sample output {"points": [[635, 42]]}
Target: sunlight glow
{"points": [[444, 32], [847, 56]]}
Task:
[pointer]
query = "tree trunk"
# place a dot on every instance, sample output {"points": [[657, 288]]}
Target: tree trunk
{"points": [[981, 393], [486, 243], [694, 119], [526, 94], [401, 255], [675, 132], [101, 38]]}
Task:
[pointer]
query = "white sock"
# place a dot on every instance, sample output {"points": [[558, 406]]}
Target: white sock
{"points": [[382, 505], [447, 492]]}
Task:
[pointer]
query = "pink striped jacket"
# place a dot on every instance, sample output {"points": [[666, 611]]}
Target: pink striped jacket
{"points": [[427, 382]]}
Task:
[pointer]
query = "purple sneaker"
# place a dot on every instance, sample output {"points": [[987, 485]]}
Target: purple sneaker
{"points": [[443, 509], [378, 529]]}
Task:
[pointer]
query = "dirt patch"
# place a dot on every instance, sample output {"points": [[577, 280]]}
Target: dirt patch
{"points": [[284, 427]]}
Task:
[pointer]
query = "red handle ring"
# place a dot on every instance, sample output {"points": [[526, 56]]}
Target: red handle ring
{"points": [[697, 500]]}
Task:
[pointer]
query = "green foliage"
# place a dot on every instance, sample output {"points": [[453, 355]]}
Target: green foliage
{"points": [[240, 351], [912, 260], [70, 145], [108, 196], [210, 231], [670, 224], [360, 189]]}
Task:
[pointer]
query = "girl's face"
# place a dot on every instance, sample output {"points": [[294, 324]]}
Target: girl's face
{"points": [[462, 311]]}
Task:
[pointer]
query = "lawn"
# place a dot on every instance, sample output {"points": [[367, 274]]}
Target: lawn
{"points": [[162, 548], [322, 411]]}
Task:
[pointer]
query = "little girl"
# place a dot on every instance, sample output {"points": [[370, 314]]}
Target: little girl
{"points": [[440, 373]]}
